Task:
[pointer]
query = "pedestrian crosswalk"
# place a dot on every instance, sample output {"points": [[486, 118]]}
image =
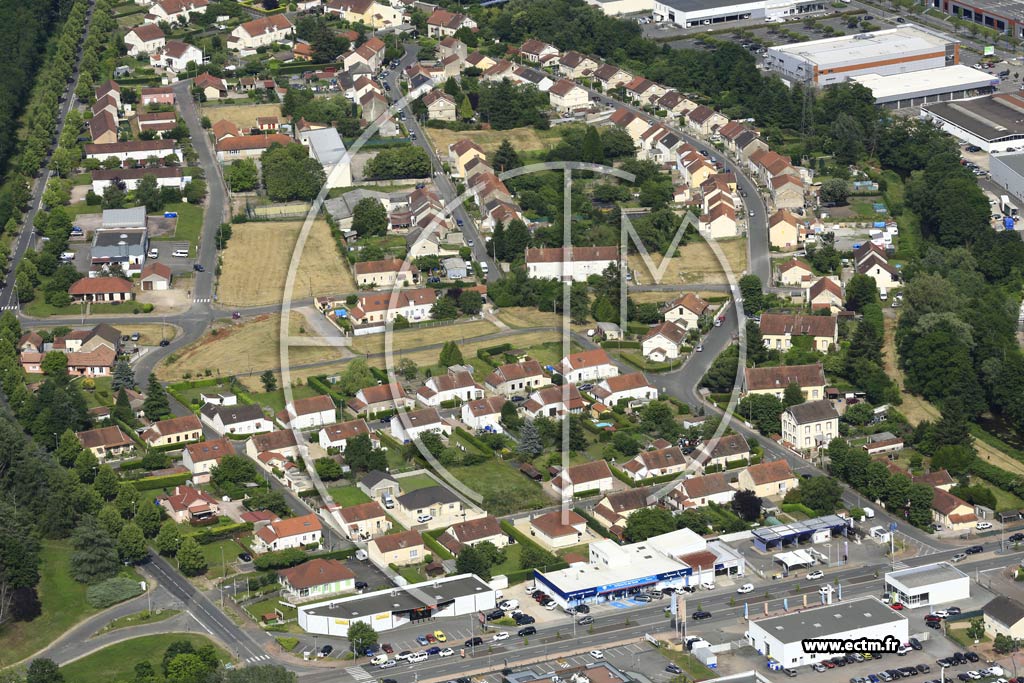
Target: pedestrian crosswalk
{"points": [[203, 301], [12, 307], [358, 673], [257, 658]]}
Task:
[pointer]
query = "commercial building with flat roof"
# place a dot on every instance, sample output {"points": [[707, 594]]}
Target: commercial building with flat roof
{"points": [[393, 607], [928, 585], [1005, 16], [781, 638], [916, 88], [994, 122], [836, 60], [1007, 170], [616, 7], [689, 13]]}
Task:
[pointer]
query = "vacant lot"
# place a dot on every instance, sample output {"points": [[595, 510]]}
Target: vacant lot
{"points": [[257, 258], [412, 338], [242, 115], [241, 349], [664, 297], [521, 317], [696, 262], [523, 139]]}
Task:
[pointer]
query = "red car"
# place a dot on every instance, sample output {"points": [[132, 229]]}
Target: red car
{"points": [[387, 648], [828, 664], [933, 617], [430, 638], [897, 606]]}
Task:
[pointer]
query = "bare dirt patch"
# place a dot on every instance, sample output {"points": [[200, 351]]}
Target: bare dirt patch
{"points": [[242, 115], [694, 263], [523, 139]]}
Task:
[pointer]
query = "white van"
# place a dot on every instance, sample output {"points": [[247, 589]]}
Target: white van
{"points": [[420, 656], [483, 267], [180, 253], [379, 659], [154, 253], [361, 555]]}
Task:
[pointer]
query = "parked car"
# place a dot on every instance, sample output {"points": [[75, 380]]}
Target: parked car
{"points": [[422, 640], [441, 637], [642, 597], [582, 609], [501, 635], [983, 526], [433, 650], [673, 669], [418, 657], [915, 643], [959, 556], [495, 615], [509, 605], [326, 650]]}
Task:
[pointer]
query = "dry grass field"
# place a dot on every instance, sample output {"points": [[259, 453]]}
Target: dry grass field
{"points": [[521, 317], [257, 258], [696, 262], [409, 339], [242, 115], [240, 348], [664, 297], [523, 139]]}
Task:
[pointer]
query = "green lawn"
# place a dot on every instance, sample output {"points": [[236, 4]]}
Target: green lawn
{"points": [[82, 207], [503, 487], [258, 609], [416, 482], [346, 496], [212, 553], [117, 662], [190, 223], [100, 394], [64, 605], [511, 563], [275, 399], [411, 574], [1004, 499], [139, 618], [693, 669], [40, 309], [81, 179]]}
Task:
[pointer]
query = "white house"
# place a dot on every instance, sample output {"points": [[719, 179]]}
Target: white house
{"points": [[200, 458], [235, 419], [686, 311], [415, 423], [575, 263], [260, 32], [306, 413], [175, 11], [811, 425], [662, 342], [590, 476], [175, 56], [337, 435], [456, 384], [144, 39], [630, 387], [554, 402], [484, 414], [565, 96], [514, 379], [295, 532], [133, 150], [587, 366]]}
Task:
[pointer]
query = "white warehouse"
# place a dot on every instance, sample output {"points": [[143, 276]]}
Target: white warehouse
{"points": [[928, 585], [781, 638], [835, 60], [689, 13]]}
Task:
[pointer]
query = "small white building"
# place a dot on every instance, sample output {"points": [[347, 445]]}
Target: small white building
{"points": [[413, 424], [662, 342], [306, 413], [337, 435], [557, 263], [326, 146], [200, 458], [456, 384], [630, 387], [294, 532], [587, 366], [929, 585], [484, 414], [235, 419]]}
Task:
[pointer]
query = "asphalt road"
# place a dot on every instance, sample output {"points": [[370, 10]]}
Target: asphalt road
{"points": [[8, 298]]}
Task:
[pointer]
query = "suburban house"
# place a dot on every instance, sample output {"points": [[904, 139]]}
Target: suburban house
{"points": [[701, 491], [248, 146], [159, 94], [558, 528], [103, 128], [576, 65], [133, 150], [587, 366], [187, 504], [438, 502], [281, 441], [144, 39], [440, 106], [176, 430], [719, 222], [176, 56], [513, 379], [787, 191], [367, 12], [166, 176], [260, 32], [1004, 616], [810, 426], [155, 277], [952, 513], [295, 532], [379, 399], [662, 342], [406, 426], [478, 60], [175, 11], [768, 479], [537, 51], [779, 331], [200, 458], [613, 510], [795, 273], [337, 435], [90, 353], [870, 260], [826, 294], [456, 384], [630, 387], [461, 153], [471, 532], [377, 484], [728, 448], [883, 443], [656, 462], [316, 578], [364, 521], [774, 380], [443, 23], [686, 311], [590, 476], [484, 414], [554, 402], [783, 230], [938, 479], [235, 419], [101, 289], [565, 96], [574, 263], [388, 272], [105, 442], [305, 413], [213, 88], [611, 77], [401, 549], [376, 309]]}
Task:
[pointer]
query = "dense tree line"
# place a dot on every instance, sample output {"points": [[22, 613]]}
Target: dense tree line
{"points": [[289, 173]]}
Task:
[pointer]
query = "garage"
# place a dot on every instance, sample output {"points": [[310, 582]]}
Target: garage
{"points": [[155, 277]]}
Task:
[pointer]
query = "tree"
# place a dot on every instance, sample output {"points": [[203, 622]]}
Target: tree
{"points": [[123, 377], [54, 364], [408, 369], [106, 482], [860, 291], [87, 466], [752, 293], [834, 191], [821, 494], [444, 309], [242, 175], [470, 302], [471, 561], [648, 522], [530, 443], [369, 218], [398, 162], [68, 449], [191, 561], [109, 517], [123, 408], [592, 151], [114, 195], [361, 636], [505, 158], [534, 557], [356, 376], [156, 406], [289, 173], [131, 544], [617, 143], [94, 557], [763, 410], [268, 673], [168, 540], [328, 469], [43, 671], [793, 395], [149, 518], [234, 469], [976, 630], [188, 668], [465, 109], [265, 499], [195, 191], [148, 194], [451, 354], [747, 505], [268, 381]]}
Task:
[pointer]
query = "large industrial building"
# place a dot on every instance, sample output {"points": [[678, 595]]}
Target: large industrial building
{"points": [[616, 7], [781, 638], [679, 558], [393, 607], [927, 585], [917, 88], [689, 13], [1005, 16], [994, 122], [1008, 172], [835, 60]]}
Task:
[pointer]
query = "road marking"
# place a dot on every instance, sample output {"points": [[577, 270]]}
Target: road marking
{"points": [[358, 673], [202, 301], [9, 308], [205, 627]]}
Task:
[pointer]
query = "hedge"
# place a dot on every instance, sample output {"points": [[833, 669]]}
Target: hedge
{"points": [[594, 524], [437, 548], [220, 533], [798, 507], [321, 385], [620, 345], [999, 477], [525, 540], [473, 440], [161, 482], [132, 434], [650, 481], [112, 591], [280, 559]]}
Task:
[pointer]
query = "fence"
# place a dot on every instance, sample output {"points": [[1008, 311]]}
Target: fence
{"points": [[277, 212]]}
